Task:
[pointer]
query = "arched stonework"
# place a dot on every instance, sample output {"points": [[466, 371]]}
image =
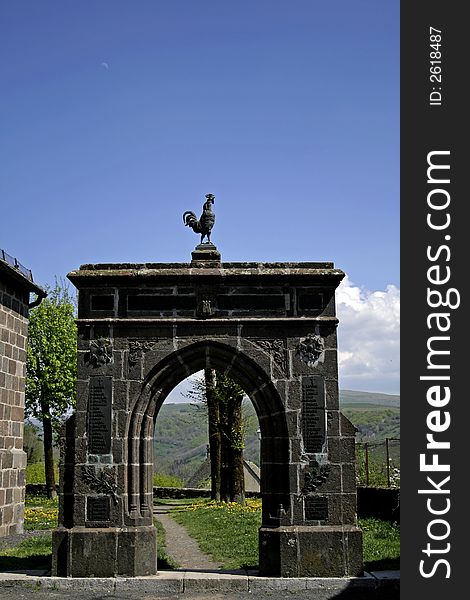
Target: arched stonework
{"points": [[257, 385], [143, 329]]}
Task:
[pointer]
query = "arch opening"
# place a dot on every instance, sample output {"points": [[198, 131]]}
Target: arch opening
{"points": [[274, 451]]}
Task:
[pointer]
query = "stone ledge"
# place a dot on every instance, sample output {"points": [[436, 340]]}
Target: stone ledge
{"points": [[193, 582]]}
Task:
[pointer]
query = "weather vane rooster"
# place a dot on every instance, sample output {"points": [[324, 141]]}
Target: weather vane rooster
{"points": [[206, 221]]}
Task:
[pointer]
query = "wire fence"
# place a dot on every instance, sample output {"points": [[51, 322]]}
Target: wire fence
{"points": [[378, 463]]}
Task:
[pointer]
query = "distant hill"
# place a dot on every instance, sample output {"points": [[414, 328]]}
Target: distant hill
{"points": [[347, 397], [181, 435], [181, 438], [376, 416]]}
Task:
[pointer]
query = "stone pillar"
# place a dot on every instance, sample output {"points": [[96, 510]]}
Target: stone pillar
{"points": [[15, 286]]}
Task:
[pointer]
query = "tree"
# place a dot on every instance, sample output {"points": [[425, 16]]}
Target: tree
{"points": [[223, 399], [229, 396], [32, 444], [51, 368], [215, 439]]}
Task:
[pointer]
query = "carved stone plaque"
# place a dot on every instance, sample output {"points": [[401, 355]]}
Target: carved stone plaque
{"points": [[313, 414], [316, 508], [97, 508], [99, 415]]}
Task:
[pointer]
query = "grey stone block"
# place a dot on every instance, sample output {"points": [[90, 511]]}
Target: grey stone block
{"points": [[214, 582], [311, 551]]}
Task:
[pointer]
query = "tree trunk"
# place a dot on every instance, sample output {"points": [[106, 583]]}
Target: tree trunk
{"points": [[215, 450], [236, 469], [48, 451], [225, 472]]}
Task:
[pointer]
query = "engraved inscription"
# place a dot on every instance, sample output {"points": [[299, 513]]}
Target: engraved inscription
{"points": [[316, 508], [99, 415], [97, 508], [313, 414]]}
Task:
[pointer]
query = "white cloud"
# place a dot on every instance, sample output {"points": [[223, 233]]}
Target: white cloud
{"points": [[368, 338], [179, 393]]}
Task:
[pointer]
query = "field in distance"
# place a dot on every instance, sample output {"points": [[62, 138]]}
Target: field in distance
{"points": [[181, 429]]}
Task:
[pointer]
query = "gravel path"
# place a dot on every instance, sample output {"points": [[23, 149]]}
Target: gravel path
{"points": [[182, 548]]}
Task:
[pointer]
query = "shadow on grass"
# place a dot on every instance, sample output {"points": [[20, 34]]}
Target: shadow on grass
{"points": [[23, 564], [386, 564]]}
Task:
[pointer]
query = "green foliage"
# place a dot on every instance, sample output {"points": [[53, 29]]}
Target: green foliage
{"points": [[35, 473], [376, 464], [41, 516], [374, 423], [51, 357], [32, 444], [226, 390], [40, 512], [39, 500], [162, 480], [181, 438]]}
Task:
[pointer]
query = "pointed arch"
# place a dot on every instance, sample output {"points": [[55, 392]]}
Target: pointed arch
{"points": [[257, 384]]}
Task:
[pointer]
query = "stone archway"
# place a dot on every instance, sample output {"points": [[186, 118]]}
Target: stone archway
{"points": [[257, 385], [144, 328]]}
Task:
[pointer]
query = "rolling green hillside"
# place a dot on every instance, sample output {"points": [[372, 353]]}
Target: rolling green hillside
{"points": [[347, 397], [181, 429], [376, 416], [181, 438]]}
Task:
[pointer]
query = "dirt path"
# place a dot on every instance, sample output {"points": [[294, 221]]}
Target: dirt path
{"points": [[182, 548]]}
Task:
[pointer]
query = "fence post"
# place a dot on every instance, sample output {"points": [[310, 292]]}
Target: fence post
{"points": [[388, 461], [366, 462]]}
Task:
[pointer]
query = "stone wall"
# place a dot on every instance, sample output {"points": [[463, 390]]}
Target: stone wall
{"points": [[13, 335], [16, 283]]}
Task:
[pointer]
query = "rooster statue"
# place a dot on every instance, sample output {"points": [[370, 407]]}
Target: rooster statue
{"points": [[206, 221]]}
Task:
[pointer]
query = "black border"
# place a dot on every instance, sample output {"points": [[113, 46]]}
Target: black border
{"points": [[426, 128]]}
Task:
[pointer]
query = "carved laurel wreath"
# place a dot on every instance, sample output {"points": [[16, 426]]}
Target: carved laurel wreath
{"points": [[314, 480], [103, 482]]}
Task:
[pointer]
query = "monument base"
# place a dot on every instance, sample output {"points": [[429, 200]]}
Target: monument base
{"points": [[205, 255], [310, 551], [106, 552]]}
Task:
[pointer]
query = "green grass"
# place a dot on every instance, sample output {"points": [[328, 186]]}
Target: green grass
{"points": [[40, 513], [32, 553], [227, 533], [163, 480], [178, 501], [230, 535], [381, 540], [35, 473]]}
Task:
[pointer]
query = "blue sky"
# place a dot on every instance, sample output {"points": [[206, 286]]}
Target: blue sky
{"points": [[118, 116]]}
